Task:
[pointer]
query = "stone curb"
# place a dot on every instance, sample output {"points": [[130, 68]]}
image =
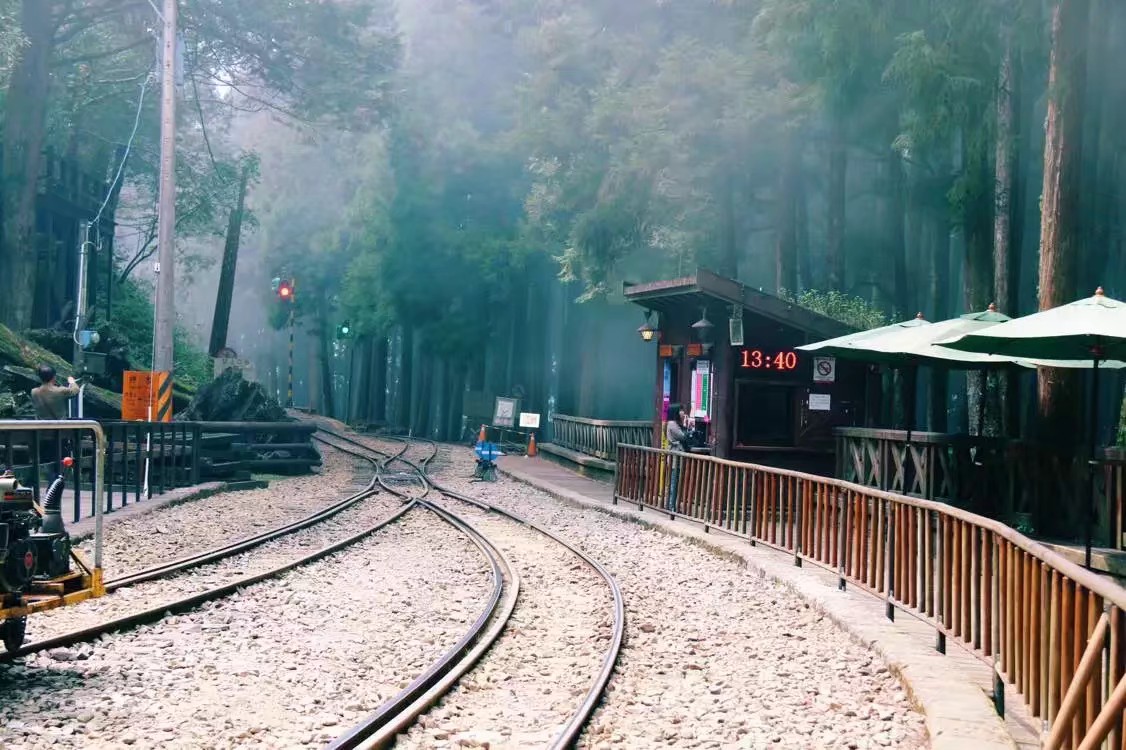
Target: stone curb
{"points": [[948, 689]]}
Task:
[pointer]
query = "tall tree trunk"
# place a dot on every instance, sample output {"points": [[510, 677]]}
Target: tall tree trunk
{"points": [[25, 110], [406, 377], [1059, 212], [1005, 253], [838, 168], [222, 318], [729, 257], [313, 371], [977, 233], [785, 221], [421, 420], [1100, 139], [897, 245], [380, 352], [940, 304], [324, 349], [361, 387], [801, 218]]}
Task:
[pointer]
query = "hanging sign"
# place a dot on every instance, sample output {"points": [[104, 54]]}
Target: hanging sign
{"points": [[504, 414], [702, 389], [824, 370], [142, 388]]}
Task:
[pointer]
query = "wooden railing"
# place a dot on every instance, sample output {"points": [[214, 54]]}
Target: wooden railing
{"points": [[1114, 468], [991, 476], [150, 458], [1054, 631], [597, 437]]}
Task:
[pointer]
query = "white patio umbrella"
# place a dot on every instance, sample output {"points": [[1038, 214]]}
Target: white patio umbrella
{"points": [[1091, 329]]}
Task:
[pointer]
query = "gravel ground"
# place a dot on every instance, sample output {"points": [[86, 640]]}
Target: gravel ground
{"points": [[531, 681], [151, 593], [716, 656], [273, 666], [171, 532]]}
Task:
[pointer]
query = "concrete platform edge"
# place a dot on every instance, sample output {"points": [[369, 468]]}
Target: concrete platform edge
{"points": [[958, 713]]}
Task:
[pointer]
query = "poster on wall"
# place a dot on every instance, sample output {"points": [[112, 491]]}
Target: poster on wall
{"points": [[666, 391], [702, 389]]}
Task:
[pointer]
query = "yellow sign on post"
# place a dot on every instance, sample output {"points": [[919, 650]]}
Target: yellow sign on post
{"points": [[143, 388]]}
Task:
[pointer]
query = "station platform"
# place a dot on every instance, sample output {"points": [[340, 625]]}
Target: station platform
{"points": [[953, 690]]}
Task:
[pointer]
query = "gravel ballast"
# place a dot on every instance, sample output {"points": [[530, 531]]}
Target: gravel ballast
{"points": [[534, 678], [285, 663], [716, 655], [272, 554], [174, 531]]}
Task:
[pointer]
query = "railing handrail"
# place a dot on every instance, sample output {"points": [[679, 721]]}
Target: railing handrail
{"points": [[60, 425], [1110, 453], [1013, 602], [294, 426], [1097, 584], [602, 422]]}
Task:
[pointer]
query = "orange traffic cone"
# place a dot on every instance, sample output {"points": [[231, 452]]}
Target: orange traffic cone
{"points": [[482, 436], [532, 444]]}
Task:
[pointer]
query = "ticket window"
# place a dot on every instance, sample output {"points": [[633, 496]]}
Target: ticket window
{"points": [[764, 414]]}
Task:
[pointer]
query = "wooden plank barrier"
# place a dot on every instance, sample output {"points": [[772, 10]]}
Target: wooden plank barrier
{"points": [[1052, 630], [597, 437]]}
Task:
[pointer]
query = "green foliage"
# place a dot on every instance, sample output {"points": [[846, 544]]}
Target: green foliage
{"points": [[132, 323], [11, 39], [852, 311]]}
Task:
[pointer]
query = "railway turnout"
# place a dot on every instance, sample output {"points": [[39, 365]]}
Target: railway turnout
{"points": [[441, 612]]}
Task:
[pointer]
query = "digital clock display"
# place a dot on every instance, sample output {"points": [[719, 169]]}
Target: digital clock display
{"points": [[757, 359]]}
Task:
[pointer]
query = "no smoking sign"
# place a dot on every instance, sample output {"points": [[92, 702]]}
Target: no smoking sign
{"points": [[824, 370]]}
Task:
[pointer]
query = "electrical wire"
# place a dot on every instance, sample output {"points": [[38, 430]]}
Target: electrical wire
{"points": [[97, 222]]}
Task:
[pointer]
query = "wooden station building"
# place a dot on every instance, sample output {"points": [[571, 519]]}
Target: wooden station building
{"points": [[759, 400]]}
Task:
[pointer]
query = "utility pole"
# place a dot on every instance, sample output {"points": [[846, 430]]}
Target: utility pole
{"points": [[166, 265]]}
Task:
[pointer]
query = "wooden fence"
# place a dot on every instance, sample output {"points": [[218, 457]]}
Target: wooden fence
{"points": [[995, 477], [149, 458], [1054, 631], [598, 437]]}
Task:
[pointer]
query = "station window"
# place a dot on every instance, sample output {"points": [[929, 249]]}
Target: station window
{"points": [[764, 414]]}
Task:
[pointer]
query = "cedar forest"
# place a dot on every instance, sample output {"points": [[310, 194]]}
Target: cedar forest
{"points": [[439, 173]]}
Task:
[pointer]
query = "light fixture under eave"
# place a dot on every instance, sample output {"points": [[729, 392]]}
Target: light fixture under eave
{"points": [[648, 332], [703, 327]]}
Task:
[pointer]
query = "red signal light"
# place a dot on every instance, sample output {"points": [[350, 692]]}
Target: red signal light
{"points": [[285, 291], [68, 462]]}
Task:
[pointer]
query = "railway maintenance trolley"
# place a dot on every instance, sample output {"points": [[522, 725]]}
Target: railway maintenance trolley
{"points": [[39, 569]]}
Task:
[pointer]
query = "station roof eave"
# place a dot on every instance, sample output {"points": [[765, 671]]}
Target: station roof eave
{"points": [[704, 287]]}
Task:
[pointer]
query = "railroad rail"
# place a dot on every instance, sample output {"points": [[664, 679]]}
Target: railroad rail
{"points": [[1053, 630], [186, 603], [379, 729]]}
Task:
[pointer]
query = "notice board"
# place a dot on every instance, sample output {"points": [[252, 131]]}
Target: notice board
{"points": [[141, 387]]}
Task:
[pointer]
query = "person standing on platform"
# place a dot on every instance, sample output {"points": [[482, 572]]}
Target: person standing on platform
{"points": [[675, 434]]}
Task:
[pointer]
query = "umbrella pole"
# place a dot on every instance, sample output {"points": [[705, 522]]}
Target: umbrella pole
{"points": [[1092, 431]]}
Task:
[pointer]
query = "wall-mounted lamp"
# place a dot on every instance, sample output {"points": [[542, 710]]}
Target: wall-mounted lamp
{"points": [[648, 332]]}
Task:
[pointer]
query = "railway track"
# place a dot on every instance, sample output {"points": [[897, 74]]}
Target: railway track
{"points": [[197, 560], [381, 728]]}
